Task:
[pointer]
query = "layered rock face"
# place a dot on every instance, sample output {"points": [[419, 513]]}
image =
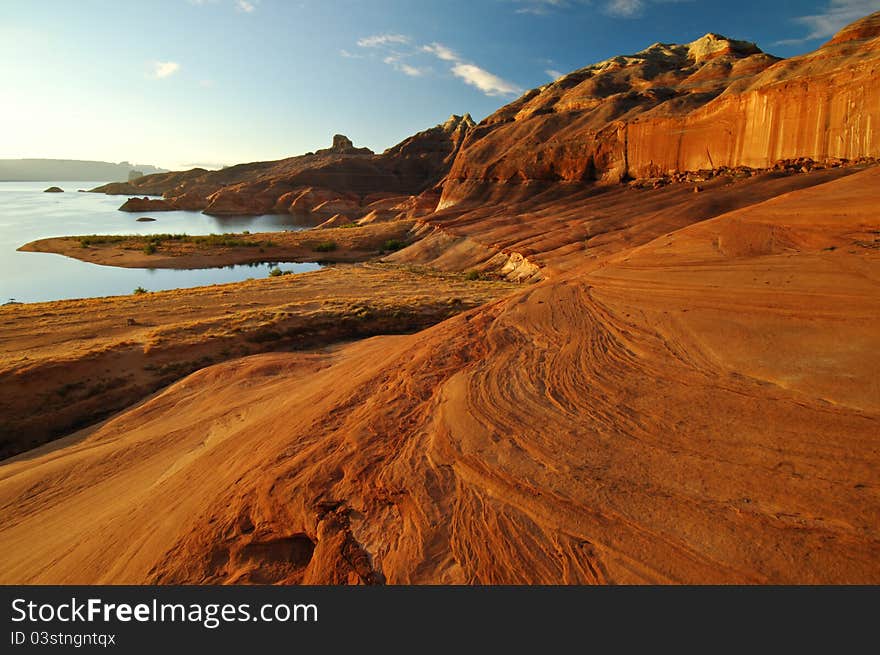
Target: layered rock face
{"points": [[316, 186], [711, 103]]}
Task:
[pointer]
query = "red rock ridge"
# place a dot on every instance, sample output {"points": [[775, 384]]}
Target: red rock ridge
{"points": [[342, 175], [722, 102]]}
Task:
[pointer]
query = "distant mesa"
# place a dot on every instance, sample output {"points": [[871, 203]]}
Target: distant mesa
{"points": [[147, 204], [59, 170], [146, 219], [54, 189], [133, 175]]}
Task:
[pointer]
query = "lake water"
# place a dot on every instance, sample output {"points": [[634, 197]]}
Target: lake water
{"points": [[27, 213]]}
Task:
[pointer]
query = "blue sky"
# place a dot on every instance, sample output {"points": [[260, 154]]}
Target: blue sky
{"points": [[178, 83]]}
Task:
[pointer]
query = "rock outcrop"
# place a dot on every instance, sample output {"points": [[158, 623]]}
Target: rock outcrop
{"points": [[343, 175], [710, 103], [342, 145], [54, 189]]}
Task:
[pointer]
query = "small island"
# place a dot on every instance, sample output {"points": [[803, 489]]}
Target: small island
{"points": [[54, 189]]}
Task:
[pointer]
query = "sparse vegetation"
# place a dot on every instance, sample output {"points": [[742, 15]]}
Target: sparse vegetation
{"points": [[473, 275], [226, 240], [150, 248], [325, 246], [393, 244], [139, 291]]}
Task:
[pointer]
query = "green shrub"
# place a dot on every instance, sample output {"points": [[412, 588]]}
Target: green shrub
{"points": [[473, 275], [150, 248], [325, 246], [393, 244], [139, 291], [276, 272]]}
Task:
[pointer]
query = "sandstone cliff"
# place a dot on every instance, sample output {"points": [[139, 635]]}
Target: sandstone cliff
{"points": [[711, 103]]}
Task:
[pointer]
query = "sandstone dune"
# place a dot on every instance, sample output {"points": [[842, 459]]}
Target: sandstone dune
{"points": [[700, 409]]}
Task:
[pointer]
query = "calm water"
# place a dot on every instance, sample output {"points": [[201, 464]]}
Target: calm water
{"points": [[26, 213]]}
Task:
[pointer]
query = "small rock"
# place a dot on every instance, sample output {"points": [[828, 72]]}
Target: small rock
{"points": [[54, 189], [145, 219]]}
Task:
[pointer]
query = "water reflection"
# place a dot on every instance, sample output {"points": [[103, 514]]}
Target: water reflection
{"points": [[26, 214]]}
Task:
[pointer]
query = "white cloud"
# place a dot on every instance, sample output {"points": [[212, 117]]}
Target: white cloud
{"points": [[441, 52], [349, 55], [624, 8], [490, 84], [412, 71], [162, 69], [554, 74], [539, 7], [836, 15], [245, 6], [394, 60], [378, 40], [474, 75]]}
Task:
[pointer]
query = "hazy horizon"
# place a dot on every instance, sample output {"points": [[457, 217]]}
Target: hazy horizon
{"points": [[218, 82]]}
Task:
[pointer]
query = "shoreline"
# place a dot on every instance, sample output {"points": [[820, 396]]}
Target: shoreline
{"points": [[184, 252]]}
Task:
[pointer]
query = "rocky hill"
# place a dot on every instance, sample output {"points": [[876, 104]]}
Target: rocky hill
{"points": [[340, 179]]}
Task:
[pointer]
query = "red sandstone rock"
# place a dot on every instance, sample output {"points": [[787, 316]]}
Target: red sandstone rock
{"points": [[339, 172], [723, 102], [146, 205]]}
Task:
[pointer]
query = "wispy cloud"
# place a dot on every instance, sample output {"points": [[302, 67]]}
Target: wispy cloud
{"points": [[412, 71], [407, 69], [399, 50], [539, 7], [441, 52], [615, 8], [163, 69], [378, 40], [554, 74], [245, 6], [836, 15], [624, 8], [490, 84], [348, 54]]}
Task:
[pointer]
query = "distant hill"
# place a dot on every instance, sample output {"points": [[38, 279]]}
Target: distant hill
{"points": [[24, 170]]}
